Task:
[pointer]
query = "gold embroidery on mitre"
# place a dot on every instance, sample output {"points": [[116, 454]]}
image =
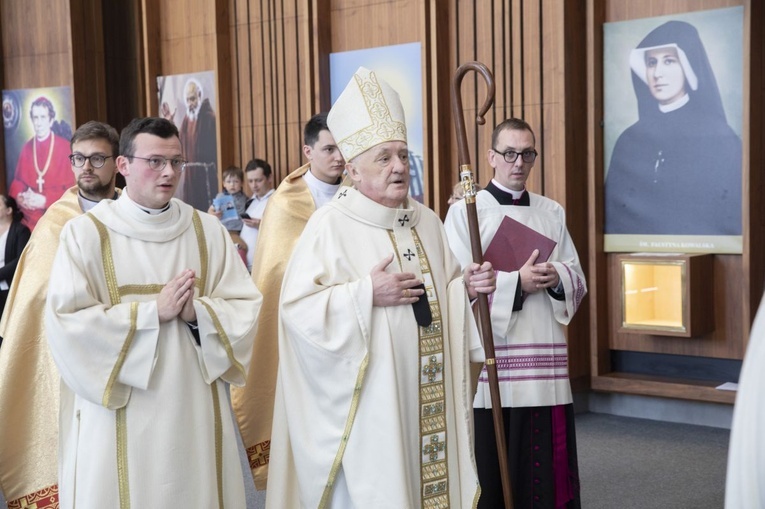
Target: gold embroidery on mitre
{"points": [[383, 128]]}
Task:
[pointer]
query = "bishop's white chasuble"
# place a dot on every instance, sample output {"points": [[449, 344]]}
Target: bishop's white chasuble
{"points": [[372, 410]]}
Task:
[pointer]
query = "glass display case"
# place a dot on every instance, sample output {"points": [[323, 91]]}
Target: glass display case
{"points": [[665, 294]]}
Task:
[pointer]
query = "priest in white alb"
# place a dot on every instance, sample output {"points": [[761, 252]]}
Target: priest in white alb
{"points": [[538, 293], [150, 313], [373, 403]]}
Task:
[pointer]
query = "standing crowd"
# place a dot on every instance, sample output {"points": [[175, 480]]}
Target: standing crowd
{"points": [[333, 314]]}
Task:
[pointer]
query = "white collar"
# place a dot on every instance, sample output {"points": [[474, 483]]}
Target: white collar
{"points": [[516, 194], [315, 183], [666, 108]]}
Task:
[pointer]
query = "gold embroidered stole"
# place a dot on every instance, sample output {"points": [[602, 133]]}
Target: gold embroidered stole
{"points": [[434, 471]]}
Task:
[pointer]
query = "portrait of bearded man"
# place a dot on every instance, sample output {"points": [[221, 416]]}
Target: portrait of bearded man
{"points": [[199, 182]]}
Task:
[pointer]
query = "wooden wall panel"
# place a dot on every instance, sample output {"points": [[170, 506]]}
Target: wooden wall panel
{"points": [[600, 361], [274, 78], [39, 54], [123, 76], [88, 75], [384, 23]]}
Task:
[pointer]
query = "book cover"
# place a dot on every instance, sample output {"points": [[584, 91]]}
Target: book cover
{"points": [[513, 244]]}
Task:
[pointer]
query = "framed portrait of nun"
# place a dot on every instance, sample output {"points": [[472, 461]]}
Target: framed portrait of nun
{"points": [[673, 107]]}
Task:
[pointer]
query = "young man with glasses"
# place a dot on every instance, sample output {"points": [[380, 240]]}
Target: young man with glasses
{"points": [[149, 315], [29, 381], [533, 303]]}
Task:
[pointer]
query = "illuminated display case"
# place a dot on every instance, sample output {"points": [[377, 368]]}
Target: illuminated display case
{"points": [[666, 295]]}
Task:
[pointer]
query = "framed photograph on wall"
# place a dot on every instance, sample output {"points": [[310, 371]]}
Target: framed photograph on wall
{"points": [[673, 106], [399, 65], [37, 124], [188, 100]]}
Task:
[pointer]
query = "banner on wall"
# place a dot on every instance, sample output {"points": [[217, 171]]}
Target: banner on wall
{"points": [[188, 101], [673, 89], [399, 65], [37, 125]]}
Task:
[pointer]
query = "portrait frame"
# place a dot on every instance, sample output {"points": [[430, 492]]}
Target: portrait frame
{"points": [[400, 65], [200, 181], [721, 33], [18, 130]]}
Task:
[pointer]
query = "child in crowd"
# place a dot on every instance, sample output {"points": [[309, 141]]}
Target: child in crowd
{"points": [[229, 205]]}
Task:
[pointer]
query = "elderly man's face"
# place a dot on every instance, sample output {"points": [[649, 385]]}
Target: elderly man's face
{"points": [[382, 173], [192, 98]]}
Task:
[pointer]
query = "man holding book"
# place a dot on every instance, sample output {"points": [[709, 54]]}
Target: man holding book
{"points": [[540, 285]]}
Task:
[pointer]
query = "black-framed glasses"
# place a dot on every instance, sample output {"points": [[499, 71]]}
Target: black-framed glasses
{"points": [[96, 160], [528, 156], [158, 163]]}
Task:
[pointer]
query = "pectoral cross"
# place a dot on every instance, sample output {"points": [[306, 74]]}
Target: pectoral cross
{"points": [[40, 182]]}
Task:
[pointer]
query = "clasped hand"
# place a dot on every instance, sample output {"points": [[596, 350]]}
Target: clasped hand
{"points": [[537, 276], [176, 298]]}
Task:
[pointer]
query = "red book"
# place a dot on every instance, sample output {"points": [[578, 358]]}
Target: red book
{"points": [[513, 244]]}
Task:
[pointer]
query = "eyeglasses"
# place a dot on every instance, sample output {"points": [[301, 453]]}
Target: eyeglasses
{"points": [[510, 156], [158, 163], [96, 160]]}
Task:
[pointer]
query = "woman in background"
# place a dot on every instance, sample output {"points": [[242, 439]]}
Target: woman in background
{"points": [[13, 238], [677, 170]]}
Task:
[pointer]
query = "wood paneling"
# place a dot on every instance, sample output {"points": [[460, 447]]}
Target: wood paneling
{"points": [[693, 390], [123, 71], [36, 43], [88, 76], [279, 59]]}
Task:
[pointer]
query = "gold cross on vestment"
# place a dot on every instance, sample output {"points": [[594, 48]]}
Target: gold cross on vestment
{"points": [[432, 368], [434, 447], [40, 182]]}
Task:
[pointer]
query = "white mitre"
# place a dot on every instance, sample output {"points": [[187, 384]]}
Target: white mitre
{"points": [[367, 113]]}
